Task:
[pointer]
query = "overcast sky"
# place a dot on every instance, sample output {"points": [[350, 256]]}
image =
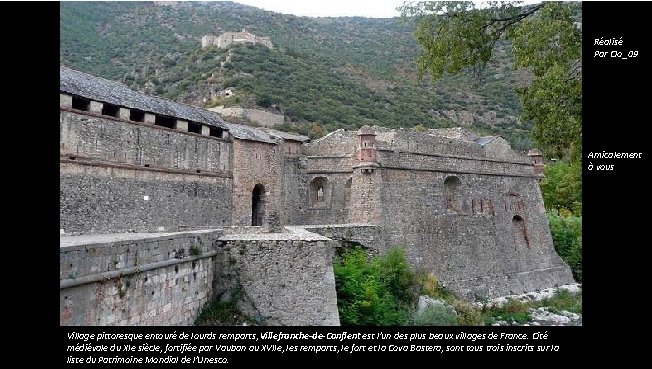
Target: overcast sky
{"points": [[330, 8]]}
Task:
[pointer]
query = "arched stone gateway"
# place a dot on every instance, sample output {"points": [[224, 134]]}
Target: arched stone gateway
{"points": [[257, 205], [319, 191], [520, 233]]}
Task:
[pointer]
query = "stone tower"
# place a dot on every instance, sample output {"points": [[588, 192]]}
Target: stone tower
{"points": [[537, 160], [365, 198]]}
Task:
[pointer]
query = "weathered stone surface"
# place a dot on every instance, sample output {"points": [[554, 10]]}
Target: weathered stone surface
{"points": [[96, 199], [281, 278], [146, 279], [65, 100], [259, 117]]}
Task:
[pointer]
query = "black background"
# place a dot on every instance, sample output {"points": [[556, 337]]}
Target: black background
{"points": [[616, 112]]}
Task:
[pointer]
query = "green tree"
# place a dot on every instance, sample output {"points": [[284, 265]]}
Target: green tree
{"points": [[562, 187], [567, 237], [457, 36]]}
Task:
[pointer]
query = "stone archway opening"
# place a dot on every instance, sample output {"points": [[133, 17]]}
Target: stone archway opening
{"points": [[520, 233], [453, 194], [257, 205], [319, 191]]}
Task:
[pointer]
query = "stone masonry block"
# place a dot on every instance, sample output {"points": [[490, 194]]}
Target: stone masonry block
{"points": [[149, 118], [181, 125], [96, 107], [124, 113], [65, 100]]}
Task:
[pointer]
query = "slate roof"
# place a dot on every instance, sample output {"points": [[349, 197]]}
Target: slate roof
{"points": [[243, 132], [455, 133], [100, 89], [286, 135], [482, 141]]}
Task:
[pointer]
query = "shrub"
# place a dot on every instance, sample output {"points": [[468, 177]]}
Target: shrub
{"points": [[563, 300], [373, 292], [512, 311], [436, 315], [429, 285], [467, 315], [567, 238]]}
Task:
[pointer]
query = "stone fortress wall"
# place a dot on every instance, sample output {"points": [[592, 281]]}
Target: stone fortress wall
{"points": [[473, 217], [269, 206]]}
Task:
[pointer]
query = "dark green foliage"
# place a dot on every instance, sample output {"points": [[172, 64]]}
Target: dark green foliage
{"points": [[376, 292], [567, 237], [562, 187], [550, 45], [383, 291], [462, 36]]}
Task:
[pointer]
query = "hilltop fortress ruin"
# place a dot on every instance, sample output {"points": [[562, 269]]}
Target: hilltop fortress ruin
{"points": [[164, 206], [226, 39]]}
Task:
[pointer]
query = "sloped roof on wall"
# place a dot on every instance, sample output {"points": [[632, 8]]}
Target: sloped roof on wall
{"points": [[455, 133], [243, 132], [286, 135], [482, 141], [100, 89]]}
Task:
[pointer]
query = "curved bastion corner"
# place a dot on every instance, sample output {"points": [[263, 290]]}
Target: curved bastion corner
{"points": [[164, 206]]}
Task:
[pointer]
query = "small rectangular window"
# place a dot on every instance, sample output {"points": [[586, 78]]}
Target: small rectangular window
{"points": [[80, 103], [194, 127], [165, 121], [110, 110], [136, 115], [215, 132]]}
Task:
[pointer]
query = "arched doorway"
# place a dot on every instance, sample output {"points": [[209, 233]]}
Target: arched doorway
{"points": [[453, 194], [257, 205], [319, 191], [520, 233]]}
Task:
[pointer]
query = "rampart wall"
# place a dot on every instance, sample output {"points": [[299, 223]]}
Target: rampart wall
{"points": [[496, 243], [281, 278], [136, 279], [120, 176]]}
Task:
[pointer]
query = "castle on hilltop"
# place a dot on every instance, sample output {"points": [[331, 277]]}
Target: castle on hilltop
{"points": [[226, 39], [164, 206]]}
